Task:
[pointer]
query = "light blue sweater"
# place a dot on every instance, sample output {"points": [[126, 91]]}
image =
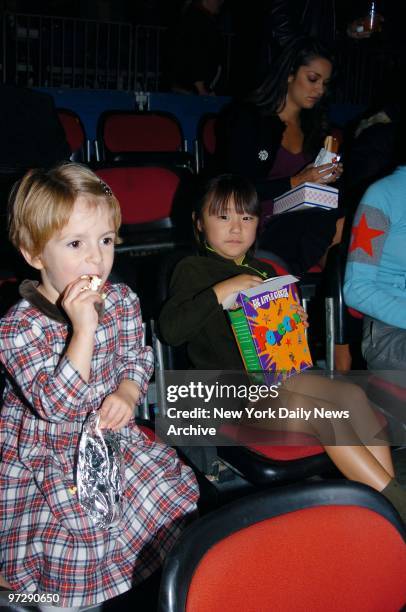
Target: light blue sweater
{"points": [[375, 277]]}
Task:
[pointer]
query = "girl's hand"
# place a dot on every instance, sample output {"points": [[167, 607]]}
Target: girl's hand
{"points": [[115, 412], [302, 314], [235, 284], [118, 408], [327, 173], [78, 302]]}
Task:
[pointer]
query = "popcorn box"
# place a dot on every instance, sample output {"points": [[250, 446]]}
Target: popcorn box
{"points": [[306, 195], [269, 332]]}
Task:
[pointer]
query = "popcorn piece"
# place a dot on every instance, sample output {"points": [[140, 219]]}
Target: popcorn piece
{"points": [[95, 282]]}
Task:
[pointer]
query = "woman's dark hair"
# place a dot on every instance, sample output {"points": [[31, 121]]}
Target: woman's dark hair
{"points": [[270, 96], [216, 193]]}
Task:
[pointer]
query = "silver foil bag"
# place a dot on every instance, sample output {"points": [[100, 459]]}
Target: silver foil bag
{"points": [[99, 473]]}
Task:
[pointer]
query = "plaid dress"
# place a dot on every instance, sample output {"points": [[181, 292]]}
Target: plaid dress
{"points": [[47, 542]]}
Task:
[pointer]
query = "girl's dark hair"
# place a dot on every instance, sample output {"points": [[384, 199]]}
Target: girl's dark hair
{"points": [[270, 96], [216, 193]]}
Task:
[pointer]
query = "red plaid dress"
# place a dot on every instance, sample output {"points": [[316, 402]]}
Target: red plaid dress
{"points": [[47, 542]]}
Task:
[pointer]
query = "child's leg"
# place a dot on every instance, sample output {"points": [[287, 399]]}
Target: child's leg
{"points": [[371, 465], [341, 395], [358, 463]]}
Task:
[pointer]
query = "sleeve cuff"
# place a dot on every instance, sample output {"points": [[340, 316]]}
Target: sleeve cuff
{"points": [[136, 375]]}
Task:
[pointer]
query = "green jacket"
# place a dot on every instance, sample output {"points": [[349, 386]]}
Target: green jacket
{"points": [[192, 314]]}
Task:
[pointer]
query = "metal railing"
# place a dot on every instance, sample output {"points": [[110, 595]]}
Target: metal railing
{"points": [[46, 51]]}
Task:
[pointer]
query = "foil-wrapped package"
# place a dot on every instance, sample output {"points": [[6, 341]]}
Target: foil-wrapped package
{"points": [[99, 475]]}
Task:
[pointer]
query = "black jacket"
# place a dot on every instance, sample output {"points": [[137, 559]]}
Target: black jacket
{"points": [[247, 144], [291, 18], [192, 314]]}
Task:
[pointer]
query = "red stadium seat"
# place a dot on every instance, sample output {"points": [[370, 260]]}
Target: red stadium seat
{"points": [[145, 193], [206, 140], [151, 206], [142, 137], [319, 546], [75, 134]]}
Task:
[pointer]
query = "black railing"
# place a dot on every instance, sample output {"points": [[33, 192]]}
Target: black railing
{"points": [[46, 51]]}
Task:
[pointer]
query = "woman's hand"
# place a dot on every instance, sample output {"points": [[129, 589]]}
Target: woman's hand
{"points": [[78, 302], [327, 173], [302, 313], [234, 285]]}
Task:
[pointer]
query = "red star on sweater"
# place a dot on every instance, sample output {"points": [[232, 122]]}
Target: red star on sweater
{"points": [[363, 236]]}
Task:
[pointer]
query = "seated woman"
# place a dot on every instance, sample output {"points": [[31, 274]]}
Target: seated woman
{"points": [[272, 138]]}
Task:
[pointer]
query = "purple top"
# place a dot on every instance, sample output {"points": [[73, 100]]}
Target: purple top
{"points": [[286, 164]]}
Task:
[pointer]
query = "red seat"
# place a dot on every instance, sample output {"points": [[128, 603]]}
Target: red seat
{"points": [[74, 133], [321, 546], [207, 134], [139, 132], [355, 313], [142, 137], [276, 445], [145, 193], [206, 139]]}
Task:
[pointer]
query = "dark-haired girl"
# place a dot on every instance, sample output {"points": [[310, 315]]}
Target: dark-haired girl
{"points": [[225, 219]]}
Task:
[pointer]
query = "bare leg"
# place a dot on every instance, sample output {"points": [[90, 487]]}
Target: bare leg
{"points": [[358, 463], [343, 395], [371, 465], [355, 461]]}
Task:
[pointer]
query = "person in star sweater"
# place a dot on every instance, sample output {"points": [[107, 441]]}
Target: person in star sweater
{"points": [[375, 278]]}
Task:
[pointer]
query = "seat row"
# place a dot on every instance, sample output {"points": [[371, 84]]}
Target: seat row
{"points": [[139, 137]]}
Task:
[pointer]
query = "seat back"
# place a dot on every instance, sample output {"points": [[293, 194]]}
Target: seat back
{"points": [[206, 140], [75, 134], [146, 194], [322, 546], [207, 132], [139, 132]]}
